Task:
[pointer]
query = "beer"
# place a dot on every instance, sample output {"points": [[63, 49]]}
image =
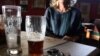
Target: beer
{"points": [[2, 37], [35, 48], [35, 30], [2, 32]]}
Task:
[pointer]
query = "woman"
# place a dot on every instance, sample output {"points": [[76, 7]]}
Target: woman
{"points": [[63, 19]]}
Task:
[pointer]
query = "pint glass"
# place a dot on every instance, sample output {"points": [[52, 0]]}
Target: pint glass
{"points": [[2, 31], [35, 28], [12, 22]]}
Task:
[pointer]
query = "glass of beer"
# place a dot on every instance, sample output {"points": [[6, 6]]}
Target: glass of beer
{"points": [[2, 31], [35, 29], [12, 22]]}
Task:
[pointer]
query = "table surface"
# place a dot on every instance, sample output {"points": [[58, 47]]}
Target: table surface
{"points": [[73, 48]]}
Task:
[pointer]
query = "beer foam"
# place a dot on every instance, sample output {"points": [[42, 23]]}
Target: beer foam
{"points": [[32, 36], [36, 40]]}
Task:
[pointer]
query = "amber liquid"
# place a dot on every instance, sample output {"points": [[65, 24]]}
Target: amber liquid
{"points": [[35, 48], [2, 34]]}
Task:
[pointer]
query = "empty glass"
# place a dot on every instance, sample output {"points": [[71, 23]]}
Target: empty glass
{"points": [[35, 28], [12, 22]]}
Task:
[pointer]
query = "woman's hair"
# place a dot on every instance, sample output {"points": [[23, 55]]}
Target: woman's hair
{"points": [[54, 3]]}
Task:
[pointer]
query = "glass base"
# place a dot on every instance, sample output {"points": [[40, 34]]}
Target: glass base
{"points": [[14, 52]]}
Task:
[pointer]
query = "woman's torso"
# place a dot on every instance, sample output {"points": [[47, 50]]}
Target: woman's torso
{"points": [[59, 23]]}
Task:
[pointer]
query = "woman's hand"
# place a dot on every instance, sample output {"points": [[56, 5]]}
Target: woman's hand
{"points": [[70, 38]]}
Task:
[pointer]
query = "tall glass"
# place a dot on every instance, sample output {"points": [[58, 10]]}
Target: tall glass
{"points": [[35, 28], [12, 22]]}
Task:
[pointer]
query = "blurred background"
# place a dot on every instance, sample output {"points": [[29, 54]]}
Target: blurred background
{"points": [[90, 10]]}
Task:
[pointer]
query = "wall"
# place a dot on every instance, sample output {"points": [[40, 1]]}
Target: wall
{"points": [[33, 11], [94, 8]]}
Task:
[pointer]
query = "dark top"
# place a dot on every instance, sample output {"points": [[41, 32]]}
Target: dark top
{"points": [[60, 24]]}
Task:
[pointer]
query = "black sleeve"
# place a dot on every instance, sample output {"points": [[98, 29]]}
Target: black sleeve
{"points": [[76, 26], [47, 15], [80, 28]]}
